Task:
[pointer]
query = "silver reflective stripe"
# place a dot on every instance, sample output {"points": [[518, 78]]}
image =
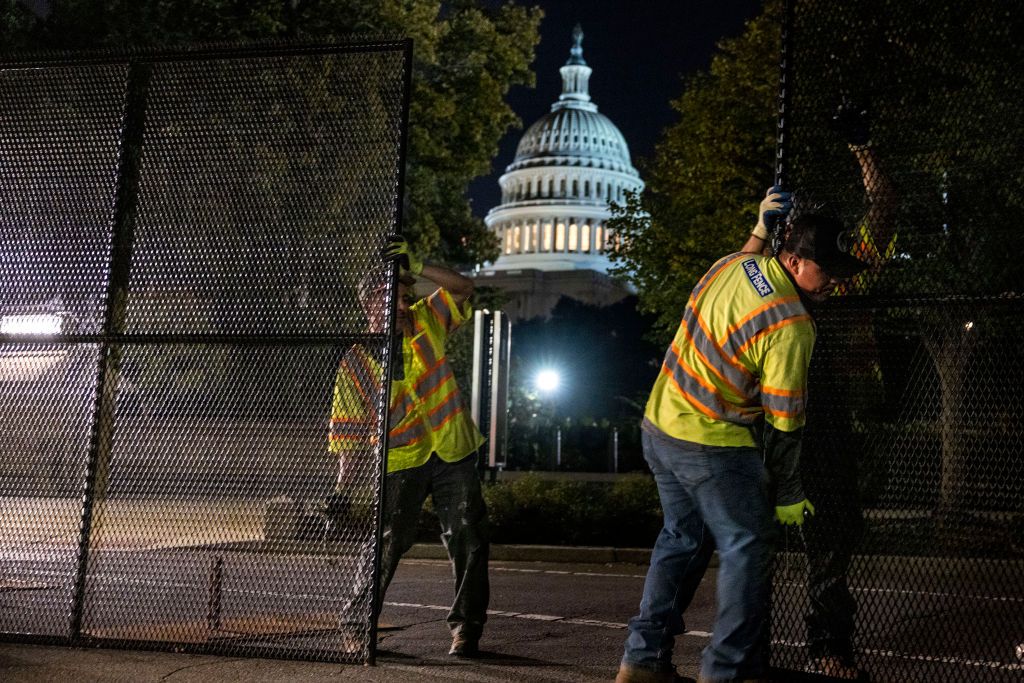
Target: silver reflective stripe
{"points": [[698, 395], [431, 381], [440, 308], [714, 356], [445, 409], [712, 272], [401, 409], [784, 406], [426, 350], [406, 436], [781, 310]]}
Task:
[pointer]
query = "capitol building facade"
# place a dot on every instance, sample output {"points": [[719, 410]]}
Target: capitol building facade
{"points": [[552, 220]]}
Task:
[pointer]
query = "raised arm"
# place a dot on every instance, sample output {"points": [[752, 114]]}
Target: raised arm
{"points": [[456, 284], [852, 122]]}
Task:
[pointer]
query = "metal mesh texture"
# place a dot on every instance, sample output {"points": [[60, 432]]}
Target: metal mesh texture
{"points": [[904, 120], [184, 238]]}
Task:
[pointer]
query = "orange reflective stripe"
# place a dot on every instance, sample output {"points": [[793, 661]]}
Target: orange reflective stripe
{"points": [[440, 307], [713, 273], [733, 374], [767, 330], [410, 434], [783, 402], [692, 400], [754, 313], [445, 409], [698, 389], [422, 346], [396, 432]]}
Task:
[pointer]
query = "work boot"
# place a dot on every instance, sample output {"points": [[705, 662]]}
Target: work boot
{"points": [[841, 668], [463, 646], [636, 674]]}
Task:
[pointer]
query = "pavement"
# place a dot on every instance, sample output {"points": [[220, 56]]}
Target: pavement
{"points": [[567, 626], [558, 615]]}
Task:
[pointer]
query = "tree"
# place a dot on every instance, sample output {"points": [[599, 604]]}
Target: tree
{"points": [[466, 57], [707, 174]]}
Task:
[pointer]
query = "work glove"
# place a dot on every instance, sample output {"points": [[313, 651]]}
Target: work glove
{"points": [[774, 207], [398, 250], [853, 124], [793, 514]]}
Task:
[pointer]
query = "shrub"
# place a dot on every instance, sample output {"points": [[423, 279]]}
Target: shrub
{"points": [[622, 514]]}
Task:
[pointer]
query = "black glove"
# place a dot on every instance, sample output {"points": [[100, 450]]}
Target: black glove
{"points": [[852, 122]]}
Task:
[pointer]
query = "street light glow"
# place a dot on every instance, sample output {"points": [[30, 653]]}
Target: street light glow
{"points": [[547, 381], [41, 324]]}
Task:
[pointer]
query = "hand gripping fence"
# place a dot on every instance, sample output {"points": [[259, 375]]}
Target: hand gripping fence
{"points": [[182, 236]]}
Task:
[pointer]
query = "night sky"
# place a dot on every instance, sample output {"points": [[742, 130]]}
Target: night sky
{"points": [[640, 50]]}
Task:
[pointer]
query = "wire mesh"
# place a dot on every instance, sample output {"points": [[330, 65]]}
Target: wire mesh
{"points": [[904, 122], [219, 212]]}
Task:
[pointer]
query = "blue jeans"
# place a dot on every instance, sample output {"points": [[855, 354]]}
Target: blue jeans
{"points": [[710, 496]]}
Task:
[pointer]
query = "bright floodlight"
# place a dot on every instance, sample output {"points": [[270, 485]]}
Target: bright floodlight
{"points": [[547, 381], [42, 324]]}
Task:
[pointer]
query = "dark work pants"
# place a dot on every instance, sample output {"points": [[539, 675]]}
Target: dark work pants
{"points": [[830, 537], [459, 504]]}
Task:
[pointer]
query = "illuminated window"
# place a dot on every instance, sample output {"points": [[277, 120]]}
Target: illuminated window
{"points": [[517, 240], [559, 236], [508, 240], [574, 237], [547, 236], [585, 238], [599, 238]]}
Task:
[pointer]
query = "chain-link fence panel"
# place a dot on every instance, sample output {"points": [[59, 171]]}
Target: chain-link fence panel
{"points": [[203, 310], [902, 118]]}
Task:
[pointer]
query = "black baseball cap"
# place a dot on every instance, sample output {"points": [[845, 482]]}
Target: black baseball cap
{"points": [[823, 239]]}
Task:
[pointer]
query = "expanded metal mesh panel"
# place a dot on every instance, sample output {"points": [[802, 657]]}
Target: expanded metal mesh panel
{"points": [[903, 118], [47, 393], [59, 135], [193, 318], [218, 522], [256, 174]]}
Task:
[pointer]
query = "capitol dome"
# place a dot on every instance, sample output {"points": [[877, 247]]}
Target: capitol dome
{"points": [[555, 194]]}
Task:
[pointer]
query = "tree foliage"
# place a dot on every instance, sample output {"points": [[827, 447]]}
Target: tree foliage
{"points": [[707, 175], [467, 54]]}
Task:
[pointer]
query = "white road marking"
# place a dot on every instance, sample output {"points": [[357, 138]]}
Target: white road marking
{"points": [[525, 570], [578, 621]]}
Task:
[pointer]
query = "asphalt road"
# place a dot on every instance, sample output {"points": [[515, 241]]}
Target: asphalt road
{"points": [[549, 622]]}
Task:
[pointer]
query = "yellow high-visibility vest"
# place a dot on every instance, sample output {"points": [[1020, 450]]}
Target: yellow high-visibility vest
{"points": [[427, 412], [741, 352]]}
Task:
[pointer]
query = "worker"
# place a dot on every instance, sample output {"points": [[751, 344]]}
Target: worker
{"points": [[432, 441], [733, 384]]}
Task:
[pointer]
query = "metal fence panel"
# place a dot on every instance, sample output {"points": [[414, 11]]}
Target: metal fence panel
{"points": [[914, 437], [204, 300]]}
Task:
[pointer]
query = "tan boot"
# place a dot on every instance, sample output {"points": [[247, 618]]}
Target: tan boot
{"points": [[837, 667], [635, 674], [464, 647]]}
